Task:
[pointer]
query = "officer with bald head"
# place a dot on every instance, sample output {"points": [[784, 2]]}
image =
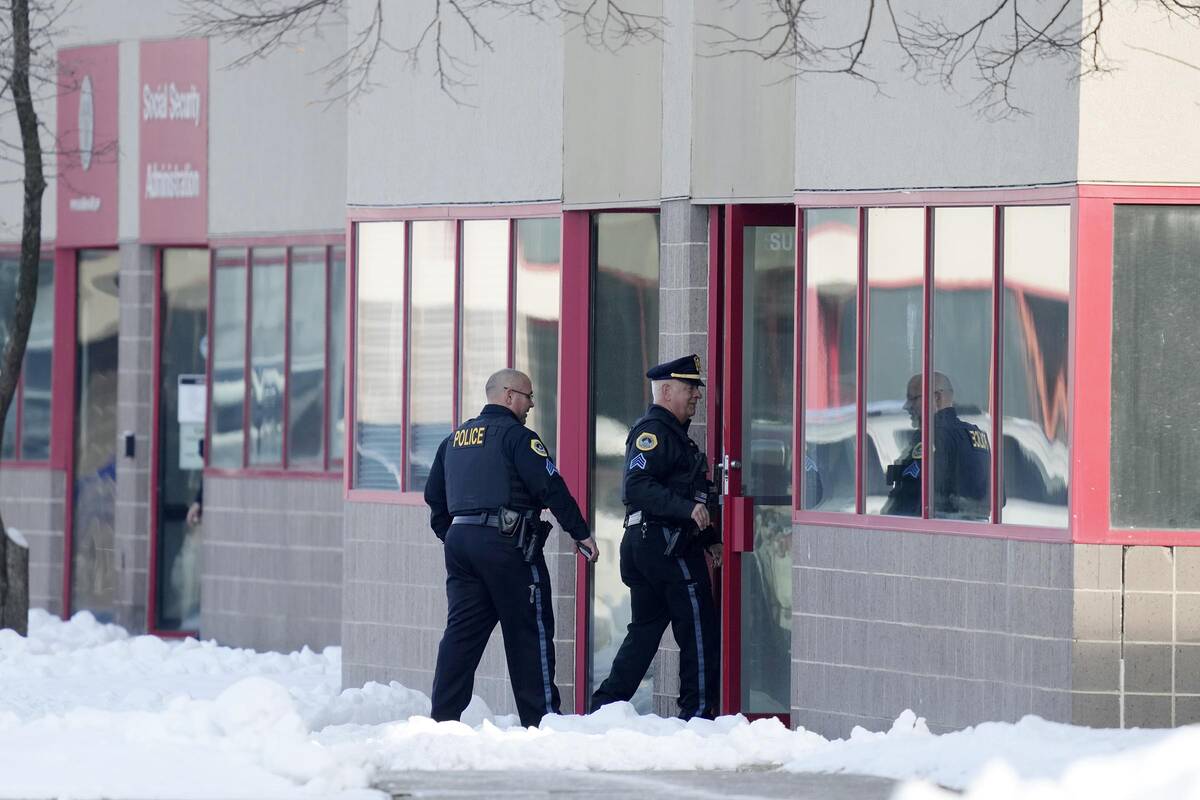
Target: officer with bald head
{"points": [[490, 480]]}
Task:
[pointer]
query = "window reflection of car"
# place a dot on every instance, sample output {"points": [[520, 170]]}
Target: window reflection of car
{"points": [[1036, 471]]}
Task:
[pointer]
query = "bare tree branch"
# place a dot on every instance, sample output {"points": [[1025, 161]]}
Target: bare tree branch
{"points": [[268, 25], [989, 41]]}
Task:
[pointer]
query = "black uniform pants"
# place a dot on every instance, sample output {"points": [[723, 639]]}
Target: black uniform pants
{"points": [[666, 590], [486, 582]]}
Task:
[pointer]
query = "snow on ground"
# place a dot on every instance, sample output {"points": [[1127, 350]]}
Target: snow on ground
{"points": [[87, 710]]}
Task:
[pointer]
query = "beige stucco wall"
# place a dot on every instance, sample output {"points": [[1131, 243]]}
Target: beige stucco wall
{"points": [[499, 141], [906, 133], [745, 116], [612, 120], [1139, 123]]}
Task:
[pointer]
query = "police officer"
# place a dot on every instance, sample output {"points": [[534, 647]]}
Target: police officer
{"points": [[962, 459], [667, 528], [490, 480]]}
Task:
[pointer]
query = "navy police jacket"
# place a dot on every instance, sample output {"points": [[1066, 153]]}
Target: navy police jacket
{"points": [[492, 461], [662, 477], [962, 466]]}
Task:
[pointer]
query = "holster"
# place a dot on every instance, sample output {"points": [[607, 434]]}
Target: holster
{"points": [[531, 537], [509, 521]]}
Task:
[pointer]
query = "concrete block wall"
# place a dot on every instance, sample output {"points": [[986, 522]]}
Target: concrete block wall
{"points": [[271, 562], [33, 501], [135, 392], [683, 329], [1137, 632], [959, 629], [395, 606]]}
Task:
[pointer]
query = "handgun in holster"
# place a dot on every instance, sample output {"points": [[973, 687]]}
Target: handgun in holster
{"points": [[531, 537]]}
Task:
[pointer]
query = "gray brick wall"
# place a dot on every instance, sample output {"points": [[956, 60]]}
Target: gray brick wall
{"points": [[33, 502], [1137, 628], [683, 329], [272, 551], [395, 606], [959, 629], [134, 398]]}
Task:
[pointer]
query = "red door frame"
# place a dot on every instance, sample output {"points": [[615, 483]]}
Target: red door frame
{"points": [[737, 512]]}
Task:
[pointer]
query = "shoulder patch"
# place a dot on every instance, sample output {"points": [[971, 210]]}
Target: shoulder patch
{"points": [[646, 442], [539, 448]]}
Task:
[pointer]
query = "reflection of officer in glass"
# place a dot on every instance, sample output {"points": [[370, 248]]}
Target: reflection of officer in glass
{"points": [[666, 492], [490, 480], [962, 459]]}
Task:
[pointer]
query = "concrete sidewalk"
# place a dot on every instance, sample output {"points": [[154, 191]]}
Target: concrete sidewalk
{"points": [[696, 785]]}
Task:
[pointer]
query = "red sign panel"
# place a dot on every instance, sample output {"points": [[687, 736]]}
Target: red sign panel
{"points": [[173, 142], [86, 129]]}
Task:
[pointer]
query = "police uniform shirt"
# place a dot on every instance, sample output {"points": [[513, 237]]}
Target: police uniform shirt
{"points": [[491, 461], [659, 458], [963, 464]]}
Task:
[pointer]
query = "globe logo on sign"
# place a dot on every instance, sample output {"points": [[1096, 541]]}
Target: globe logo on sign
{"points": [[87, 122]]}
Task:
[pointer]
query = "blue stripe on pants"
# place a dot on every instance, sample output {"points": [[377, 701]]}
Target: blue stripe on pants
{"points": [[537, 596], [691, 587]]}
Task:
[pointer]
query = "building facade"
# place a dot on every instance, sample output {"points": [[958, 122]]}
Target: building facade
{"points": [[293, 303]]}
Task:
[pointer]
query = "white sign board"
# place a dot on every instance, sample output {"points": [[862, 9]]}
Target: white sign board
{"points": [[191, 399]]}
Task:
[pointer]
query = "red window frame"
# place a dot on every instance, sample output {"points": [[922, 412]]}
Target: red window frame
{"points": [[457, 215], [928, 201], [331, 465], [17, 409], [1091, 460]]}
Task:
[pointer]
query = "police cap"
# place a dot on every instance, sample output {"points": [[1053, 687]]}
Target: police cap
{"points": [[686, 369]]}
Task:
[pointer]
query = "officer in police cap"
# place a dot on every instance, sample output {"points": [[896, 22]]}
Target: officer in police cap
{"points": [[490, 480], [667, 529]]}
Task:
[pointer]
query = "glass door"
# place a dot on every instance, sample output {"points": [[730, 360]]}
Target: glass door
{"points": [[758, 437], [181, 347], [93, 539]]}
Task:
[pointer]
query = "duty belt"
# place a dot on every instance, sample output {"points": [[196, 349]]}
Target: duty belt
{"points": [[637, 518], [489, 519]]}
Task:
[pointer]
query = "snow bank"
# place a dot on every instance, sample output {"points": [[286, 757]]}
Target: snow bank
{"points": [[88, 711]]}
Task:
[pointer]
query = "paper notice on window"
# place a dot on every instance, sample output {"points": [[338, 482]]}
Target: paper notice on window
{"points": [[191, 435], [191, 399]]}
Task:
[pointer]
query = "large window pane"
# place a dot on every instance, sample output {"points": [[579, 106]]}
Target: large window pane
{"points": [[94, 559], [484, 344], [431, 346], [225, 416], [183, 316], [961, 380], [37, 371], [9, 269], [267, 379], [1155, 383], [379, 355], [895, 318], [535, 323], [1035, 449], [337, 354], [768, 337], [306, 379], [830, 358], [624, 345]]}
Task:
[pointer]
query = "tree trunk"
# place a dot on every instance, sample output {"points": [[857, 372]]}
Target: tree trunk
{"points": [[15, 613], [14, 559]]}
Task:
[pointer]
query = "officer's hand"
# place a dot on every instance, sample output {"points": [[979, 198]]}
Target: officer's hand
{"points": [[700, 516], [590, 544], [714, 553], [194, 512]]}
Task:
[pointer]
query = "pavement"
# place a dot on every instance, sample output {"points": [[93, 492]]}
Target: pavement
{"points": [[691, 785]]}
